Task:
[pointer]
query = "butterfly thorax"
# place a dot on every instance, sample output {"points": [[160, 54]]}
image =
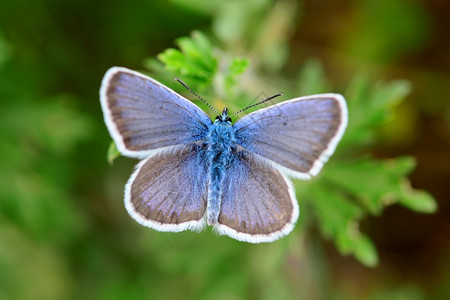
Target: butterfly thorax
{"points": [[221, 136], [220, 143]]}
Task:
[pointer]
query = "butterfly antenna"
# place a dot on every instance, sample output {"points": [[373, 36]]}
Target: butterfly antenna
{"points": [[250, 106], [195, 94]]}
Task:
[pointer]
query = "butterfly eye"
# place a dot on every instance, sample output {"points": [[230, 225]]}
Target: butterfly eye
{"points": [[228, 119], [217, 118]]}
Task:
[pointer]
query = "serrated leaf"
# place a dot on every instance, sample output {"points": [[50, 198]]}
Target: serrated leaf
{"points": [[369, 106], [333, 210], [195, 63], [374, 183], [198, 51], [350, 240], [377, 183], [338, 219]]}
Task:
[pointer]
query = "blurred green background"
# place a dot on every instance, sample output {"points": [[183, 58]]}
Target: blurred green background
{"points": [[363, 232]]}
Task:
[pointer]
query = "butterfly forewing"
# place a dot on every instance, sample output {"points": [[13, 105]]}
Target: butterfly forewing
{"points": [[258, 203], [143, 115], [299, 135], [168, 191]]}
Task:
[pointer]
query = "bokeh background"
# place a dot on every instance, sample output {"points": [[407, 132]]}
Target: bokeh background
{"points": [[64, 233]]}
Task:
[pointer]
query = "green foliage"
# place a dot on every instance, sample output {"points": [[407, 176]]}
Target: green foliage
{"points": [[311, 79], [347, 189], [113, 153], [198, 65], [236, 68], [64, 232], [195, 62], [352, 184], [4, 49], [33, 172], [390, 28], [39, 215], [369, 107], [257, 28], [378, 183]]}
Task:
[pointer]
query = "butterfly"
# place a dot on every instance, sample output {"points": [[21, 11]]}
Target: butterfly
{"points": [[196, 172]]}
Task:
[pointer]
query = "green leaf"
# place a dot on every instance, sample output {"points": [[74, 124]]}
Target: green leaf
{"points": [[373, 183], [365, 251], [113, 153], [348, 189], [378, 183], [236, 68], [338, 219], [195, 63], [416, 200], [333, 210], [370, 106]]}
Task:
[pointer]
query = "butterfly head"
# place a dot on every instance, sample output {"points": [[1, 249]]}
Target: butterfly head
{"points": [[224, 117]]}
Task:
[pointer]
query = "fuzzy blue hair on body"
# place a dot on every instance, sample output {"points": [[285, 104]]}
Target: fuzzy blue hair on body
{"points": [[220, 143]]}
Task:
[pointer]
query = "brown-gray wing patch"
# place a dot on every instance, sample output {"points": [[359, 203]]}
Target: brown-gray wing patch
{"points": [[168, 191], [299, 135], [143, 115], [258, 203]]}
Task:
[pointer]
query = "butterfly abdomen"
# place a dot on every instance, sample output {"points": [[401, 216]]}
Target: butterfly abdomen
{"points": [[221, 139]]}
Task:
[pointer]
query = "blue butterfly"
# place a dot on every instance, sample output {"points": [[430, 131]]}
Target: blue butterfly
{"points": [[231, 176]]}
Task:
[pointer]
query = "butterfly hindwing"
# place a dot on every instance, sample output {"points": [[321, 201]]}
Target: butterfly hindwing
{"points": [[143, 115], [258, 201], [298, 135], [168, 191]]}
